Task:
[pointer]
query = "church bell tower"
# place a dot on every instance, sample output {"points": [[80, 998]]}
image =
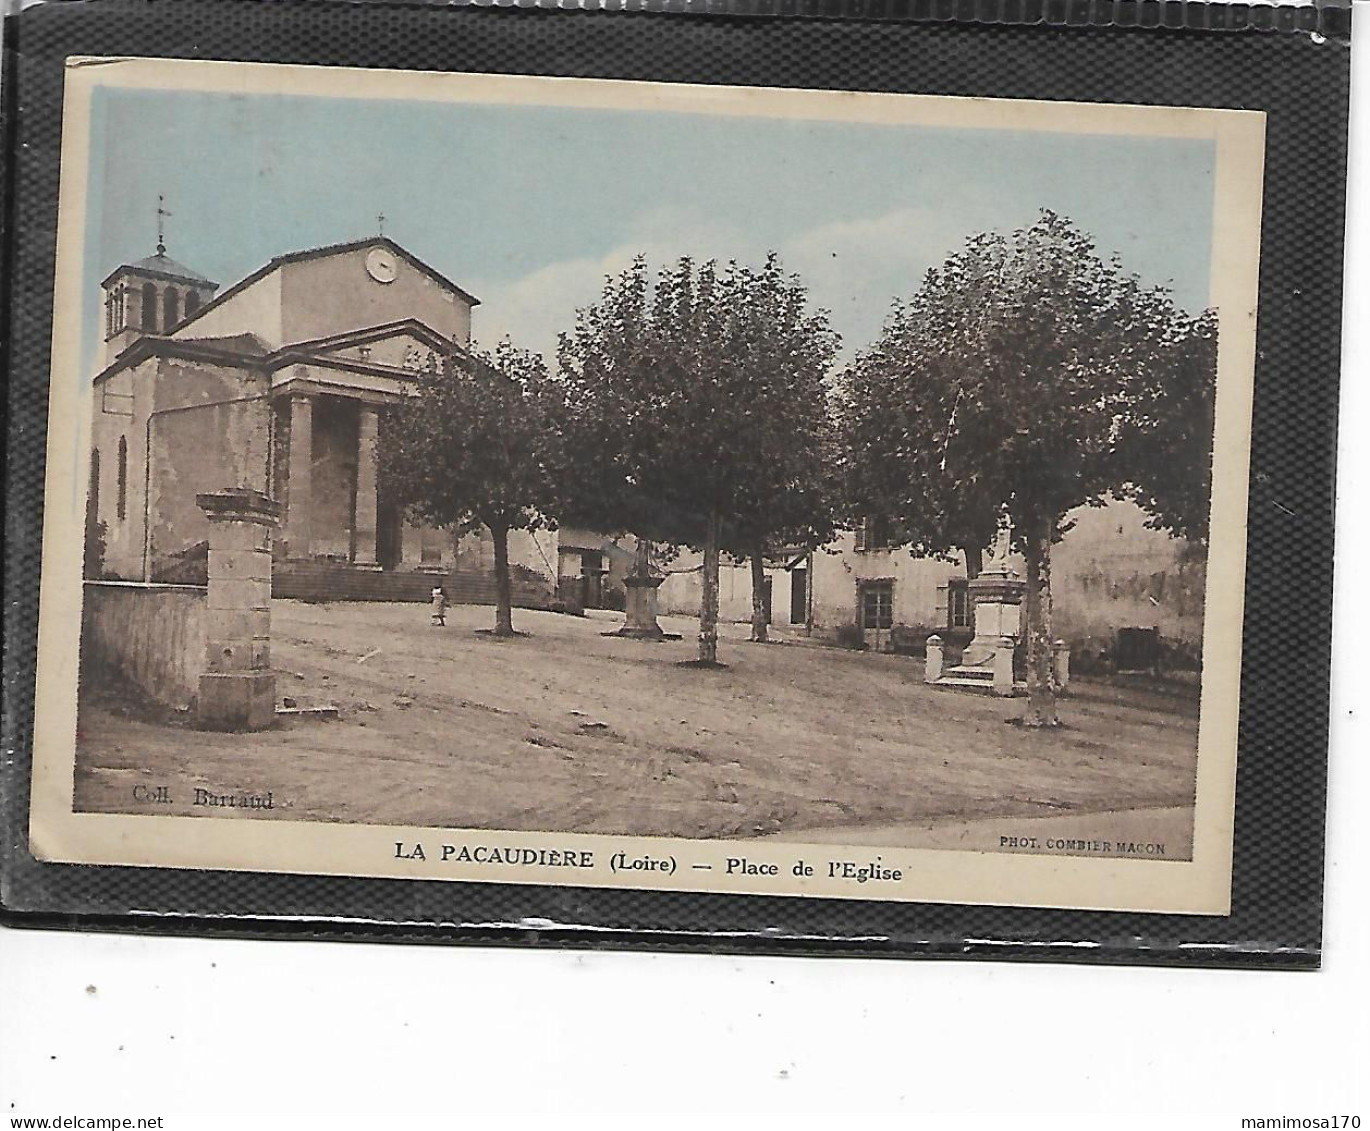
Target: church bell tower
{"points": [[151, 296]]}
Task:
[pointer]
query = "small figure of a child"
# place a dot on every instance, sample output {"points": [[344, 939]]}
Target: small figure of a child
{"points": [[439, 605]]}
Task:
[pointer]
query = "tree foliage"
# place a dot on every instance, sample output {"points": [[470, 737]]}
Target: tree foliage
{"points": [[697, 412], [1006, 380], [478, 446], [1165, 442]]}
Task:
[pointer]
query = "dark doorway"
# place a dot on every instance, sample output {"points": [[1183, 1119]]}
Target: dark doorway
{"points": [[591, 579], [766, 599], [389, 533], [799, 596], [1139, 650]]}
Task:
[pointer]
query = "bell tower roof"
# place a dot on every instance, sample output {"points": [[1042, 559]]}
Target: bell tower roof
{"points": [[161, 266]]}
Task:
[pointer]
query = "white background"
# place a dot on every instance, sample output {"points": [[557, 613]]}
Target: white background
{"points": [[116, 1025]]}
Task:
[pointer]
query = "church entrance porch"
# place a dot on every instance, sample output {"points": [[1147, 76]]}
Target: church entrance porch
{"points": [[345, 538], [335, 460], [325, 469]]}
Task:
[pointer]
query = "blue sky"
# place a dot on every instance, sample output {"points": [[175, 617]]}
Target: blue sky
{"points": [[529, 207]]}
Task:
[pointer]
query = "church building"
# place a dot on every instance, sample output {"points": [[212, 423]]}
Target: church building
{"points": [[277, 383]]}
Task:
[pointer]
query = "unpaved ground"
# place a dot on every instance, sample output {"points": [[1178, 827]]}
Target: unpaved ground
{"points": [[566, 730]]}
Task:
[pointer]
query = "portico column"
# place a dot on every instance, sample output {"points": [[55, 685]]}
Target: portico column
{"points": [[300, 477], [364, 523]]}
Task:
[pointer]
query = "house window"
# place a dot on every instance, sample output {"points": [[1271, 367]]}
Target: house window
{"points": [[192, 302], [121, 480], [874, 533], [958, 605], [877, 604]]}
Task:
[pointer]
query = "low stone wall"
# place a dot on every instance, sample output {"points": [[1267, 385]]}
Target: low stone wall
{"points": [[334, 581], [152, 635]]}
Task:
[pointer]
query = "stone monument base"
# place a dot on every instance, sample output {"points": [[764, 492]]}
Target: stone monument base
{"points": [[640, 610], [653, 633], [989, 667]]}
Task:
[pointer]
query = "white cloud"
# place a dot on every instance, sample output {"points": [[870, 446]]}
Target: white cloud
{"points": [[533, 309], [854, 268]]}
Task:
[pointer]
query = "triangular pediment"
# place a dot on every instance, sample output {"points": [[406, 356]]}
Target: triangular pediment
{"points": [[409, 345]]}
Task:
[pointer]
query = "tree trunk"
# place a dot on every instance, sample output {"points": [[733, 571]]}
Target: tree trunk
{"points": [[1041, 688], [975, 561], [758, 597], [708, 597], [504, 600]]}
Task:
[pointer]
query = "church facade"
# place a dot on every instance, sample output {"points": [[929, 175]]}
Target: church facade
{"points": [[277, 383]]}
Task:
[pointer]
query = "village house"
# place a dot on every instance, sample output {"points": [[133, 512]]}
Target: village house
{"points": [[1123, 596], [278, 383]]}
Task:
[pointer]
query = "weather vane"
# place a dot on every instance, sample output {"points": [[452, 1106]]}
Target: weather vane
{"points": [[380, 223], [162, 214]]}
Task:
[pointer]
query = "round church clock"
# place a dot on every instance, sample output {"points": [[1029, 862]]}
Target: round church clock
{"points": [[381, 266]]}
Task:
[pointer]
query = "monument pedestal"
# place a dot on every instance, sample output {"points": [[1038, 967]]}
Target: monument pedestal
{"points": [[639, 621], [996, 597]]}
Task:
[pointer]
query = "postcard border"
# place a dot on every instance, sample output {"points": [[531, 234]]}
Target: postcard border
{"points": [[1198, 886], [1282, 777]]}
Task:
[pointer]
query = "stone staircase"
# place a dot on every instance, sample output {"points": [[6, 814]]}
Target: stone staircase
{"points": [[976, 679], [338, 581]]}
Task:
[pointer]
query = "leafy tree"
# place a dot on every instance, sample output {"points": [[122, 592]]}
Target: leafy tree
{"points": [[478, 446], [891, 471], [598, 360], [696, 412], [790, 497], [794, 511], [1004, 381], [1165, 443]]}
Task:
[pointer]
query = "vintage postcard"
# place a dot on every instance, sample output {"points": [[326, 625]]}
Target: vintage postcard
{"points": [[616, 484]]}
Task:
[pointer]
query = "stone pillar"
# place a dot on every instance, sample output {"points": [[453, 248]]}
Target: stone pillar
{"points": [[1003, 666], [238, 688], [640, 607], [1060, 666], [933, 671], [364, 521], [300, 477]]}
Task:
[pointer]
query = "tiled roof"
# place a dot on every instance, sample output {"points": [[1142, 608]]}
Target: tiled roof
{"points": [[248, 344], [163, 266], [168, 266]]}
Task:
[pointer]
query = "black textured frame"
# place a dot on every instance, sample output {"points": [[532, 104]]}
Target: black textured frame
{"points": [[1292, 63]]}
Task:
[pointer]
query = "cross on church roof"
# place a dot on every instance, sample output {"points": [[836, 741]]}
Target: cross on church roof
{"points": [[380, 223], [162, 214]]}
